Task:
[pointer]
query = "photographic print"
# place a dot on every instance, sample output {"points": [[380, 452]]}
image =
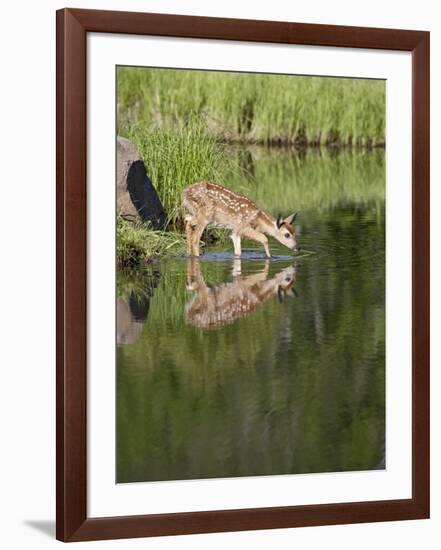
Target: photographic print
{"points": [[250, 262]]}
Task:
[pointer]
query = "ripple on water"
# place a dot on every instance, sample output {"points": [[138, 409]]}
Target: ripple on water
{"points": [[246, 255]]}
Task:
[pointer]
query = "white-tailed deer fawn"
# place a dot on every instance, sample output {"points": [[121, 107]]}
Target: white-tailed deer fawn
{"points": [[219, 305], [211, 203]]}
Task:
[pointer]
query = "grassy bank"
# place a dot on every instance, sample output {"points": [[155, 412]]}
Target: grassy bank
{"points": [[255, 108], [136, 243]]}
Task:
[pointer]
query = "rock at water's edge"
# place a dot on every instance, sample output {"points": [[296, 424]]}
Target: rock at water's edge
{"points": [[137, 199]]}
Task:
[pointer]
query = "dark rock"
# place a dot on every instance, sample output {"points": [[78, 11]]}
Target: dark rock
{"points": [[132, 311], [129, 328], [137, 199]]}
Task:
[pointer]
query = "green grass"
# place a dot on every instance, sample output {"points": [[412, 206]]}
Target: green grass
{"points": [[136, 242], [253, 107]]}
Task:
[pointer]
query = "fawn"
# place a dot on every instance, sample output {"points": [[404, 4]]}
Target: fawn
{"points": [[218, 305], [211, 203]]}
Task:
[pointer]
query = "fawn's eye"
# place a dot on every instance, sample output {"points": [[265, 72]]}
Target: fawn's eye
{"points": [[287, 235]]}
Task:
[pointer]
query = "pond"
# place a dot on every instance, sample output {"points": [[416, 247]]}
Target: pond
{"points": [[258, 367]]}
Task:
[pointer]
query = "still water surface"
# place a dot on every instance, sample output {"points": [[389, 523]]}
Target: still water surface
{"points": [[240, 368]]}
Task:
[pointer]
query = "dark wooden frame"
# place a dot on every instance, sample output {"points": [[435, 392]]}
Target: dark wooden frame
{"points": [[71, 507]]}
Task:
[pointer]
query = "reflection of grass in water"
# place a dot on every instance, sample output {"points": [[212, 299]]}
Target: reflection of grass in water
{"points": [[237, 401], [282, 181], [205, 360], [136, 282], [254, 107]]}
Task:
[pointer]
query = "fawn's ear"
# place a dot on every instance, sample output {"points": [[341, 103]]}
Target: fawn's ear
{"points": [[279, 221], [290, 219]]}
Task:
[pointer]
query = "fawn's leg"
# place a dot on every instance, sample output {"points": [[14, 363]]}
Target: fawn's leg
{"points": [[190, 272], [237, 244], [189, 222], [194, 276], [237, 267], [201, 224], [259, 237]]}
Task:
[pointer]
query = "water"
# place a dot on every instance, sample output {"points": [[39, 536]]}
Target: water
{"points": [[241, 368]]}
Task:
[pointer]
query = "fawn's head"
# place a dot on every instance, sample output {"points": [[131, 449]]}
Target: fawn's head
{"points": [[285, 231]]}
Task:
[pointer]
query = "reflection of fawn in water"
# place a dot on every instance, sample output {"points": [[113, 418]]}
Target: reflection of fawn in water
{"points": [[215, 306]]}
